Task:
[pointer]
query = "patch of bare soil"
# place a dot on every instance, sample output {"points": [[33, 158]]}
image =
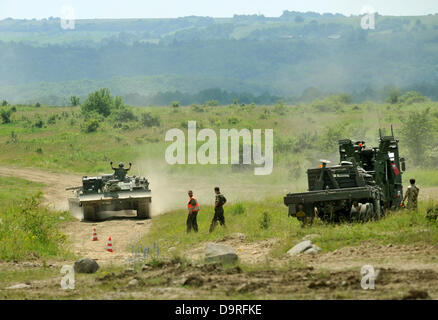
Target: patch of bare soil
{"points": [[124, 232], [182, 281], [248, 252], [401, 257]]}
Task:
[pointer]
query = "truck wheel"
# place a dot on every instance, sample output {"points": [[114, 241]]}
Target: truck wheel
{"points": [[89, 213], [143, 210]]}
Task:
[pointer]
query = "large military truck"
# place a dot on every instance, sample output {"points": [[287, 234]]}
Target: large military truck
{"points": [[111, 192], [365, 184]]}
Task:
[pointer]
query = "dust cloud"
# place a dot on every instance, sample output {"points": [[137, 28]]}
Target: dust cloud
{"points": [[169, 185]]}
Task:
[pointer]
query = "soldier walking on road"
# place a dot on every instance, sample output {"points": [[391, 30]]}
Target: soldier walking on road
{"points": [[218, 210], [412, 196], [193, 207]]}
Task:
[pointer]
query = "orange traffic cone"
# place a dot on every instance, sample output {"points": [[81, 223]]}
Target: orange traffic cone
{"points": [[110, 245], [94, 235]]}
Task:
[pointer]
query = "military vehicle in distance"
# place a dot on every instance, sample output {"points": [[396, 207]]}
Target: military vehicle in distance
{"points": [[365, 184], [112, 192]]}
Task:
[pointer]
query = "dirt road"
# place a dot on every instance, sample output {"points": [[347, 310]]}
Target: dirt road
{"points": [[123, 231]]}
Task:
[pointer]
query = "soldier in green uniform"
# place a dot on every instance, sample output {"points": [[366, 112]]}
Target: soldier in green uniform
{"points": [[120, 172], [412, 196], [218, 210]]}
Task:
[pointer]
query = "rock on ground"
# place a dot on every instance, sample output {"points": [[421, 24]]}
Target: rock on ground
{"points": [[313, 250], [300, 247], [133, 283], [19, 286], [86, 266], [215, 252]]}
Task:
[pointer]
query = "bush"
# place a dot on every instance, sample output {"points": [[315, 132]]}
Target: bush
{"points": [[39, 123], [28, 231], [211, 103], [393, 96], [123, 114], [175, 104], [411, 97], [265, 221], [100, 102], [148, 120], [419, 132], [196, 108], [91, 126], [5, 115], [280, 108], [51, 120], [75, 101], [233, 120]]}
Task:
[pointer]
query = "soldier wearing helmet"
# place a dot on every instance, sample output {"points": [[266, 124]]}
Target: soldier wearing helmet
{"points": [[120, 172]]}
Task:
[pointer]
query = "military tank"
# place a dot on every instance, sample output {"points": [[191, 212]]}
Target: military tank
{"points": [[112, 192], [365, 183]]}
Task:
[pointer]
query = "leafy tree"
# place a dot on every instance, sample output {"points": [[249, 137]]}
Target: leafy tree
{"points": [[6, 115], [418, 132], [411, 97], [75, 101], [175, 104], [100, 102], [393, 96], [4, 103]]}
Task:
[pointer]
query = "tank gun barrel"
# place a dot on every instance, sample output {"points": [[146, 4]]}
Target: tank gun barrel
{"points": [[73, 188]]}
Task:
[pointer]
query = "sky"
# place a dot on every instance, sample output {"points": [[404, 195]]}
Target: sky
{"points": [[88, 9]]}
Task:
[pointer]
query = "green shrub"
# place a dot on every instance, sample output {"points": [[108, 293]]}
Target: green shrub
{"points": [[52, 119], [100, 102], [5, 115], [91, 126], [29, 231], [148, 120], [233, 120], [265, 221], [123, 114], [39, 123], [75, 101], [411, 97]]}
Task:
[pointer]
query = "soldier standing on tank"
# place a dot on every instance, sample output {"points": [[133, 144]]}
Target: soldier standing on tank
{"points": [[120, 172], [193, 208], [412, 195], [218, 210]]}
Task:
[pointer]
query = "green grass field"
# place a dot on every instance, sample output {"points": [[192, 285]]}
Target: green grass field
{"points": [[53, 138]]}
